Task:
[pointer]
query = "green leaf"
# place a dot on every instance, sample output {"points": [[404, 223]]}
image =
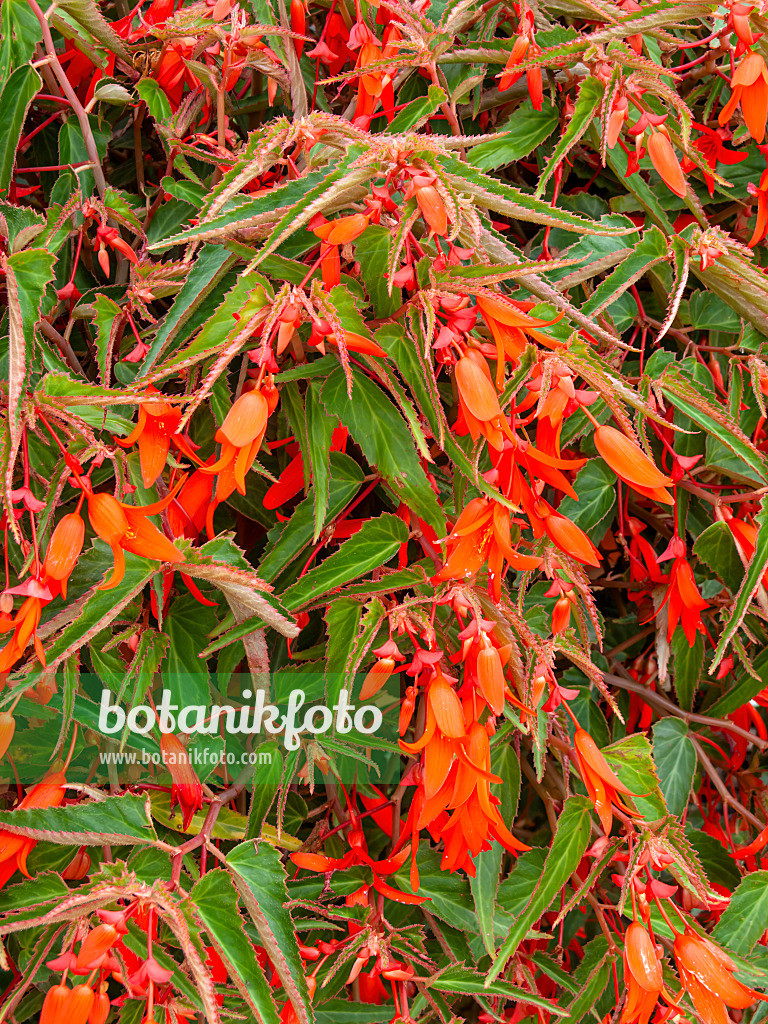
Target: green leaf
{"points": [[715, 547], [20, 32], [718, 866], [743, 921], [206, 273], [592, 974], [15, 99], [675, 759], [567, 849], [689, 663], [350, 635], [215, 902], [483, 887], [266, 781], [524, 131], [371, 547], [156, 100], [379, 429], [320, 430], [632, 760], [107, 319], [595, 486], [752, 580], [462, 979], [651, 249], [591, 95], [372, 252], [692, 399], [122, 820], [260, 879], [416, 112], [287, 540]]}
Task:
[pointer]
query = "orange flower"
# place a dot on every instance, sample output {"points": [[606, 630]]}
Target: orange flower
{"points": [[240, 437], [630, 463], [663, 158], [155, 430], [126, 528], [707, 974], [187, 790], [478, 401], [642, 974], [567, 536], [482, 533], [602, 784], [53, 1005], [684, 601], [7, 729], [96, 946], [749, 87], [24, 626], [475, 819], [63, 552], [333, 234], [509, 323], [14, 849]]}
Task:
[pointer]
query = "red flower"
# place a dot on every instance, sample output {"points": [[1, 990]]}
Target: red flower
{"points": [[712, 148], [749, 88]]}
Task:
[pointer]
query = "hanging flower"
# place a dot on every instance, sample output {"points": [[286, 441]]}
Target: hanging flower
{"points": [[127, 528], [630, 463], [749, 87], [186, 790], [707, 974], [155, 432], [642, 975], [602, 784]]}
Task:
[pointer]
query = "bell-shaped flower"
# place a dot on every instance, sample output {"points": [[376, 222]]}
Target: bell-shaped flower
{"points": [[630, 463], [127, 528]]}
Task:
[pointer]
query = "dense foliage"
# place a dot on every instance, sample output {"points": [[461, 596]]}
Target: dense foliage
{"points": [[407, 355]]}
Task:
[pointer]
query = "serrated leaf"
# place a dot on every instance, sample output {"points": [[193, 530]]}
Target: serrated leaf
{"points": [[18, 92], [123, 820], [688, 665], [416, 112], [287, 540], [260, 879], [568, 846], [752, 581], [675, 759], [372, 546], [716, 548], [742, 923], [214, 899], [465, 980], [483, 888], [526, 129], [379, 429], [651, 249], [591, 95]]}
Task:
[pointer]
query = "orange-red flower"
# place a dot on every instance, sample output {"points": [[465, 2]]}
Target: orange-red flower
{"points": [[707, 974], [602, 784], [684, 602], [154, 432], [127, 528], [630, 463], [63, 552], [358, 854], [642, 975], [667, 166], [509, 323], [478, 401], [482, 534], [711, 145], [240, 437], [14, 849], [333, 234], [187, 789], [749, 87], [759, 192]]}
